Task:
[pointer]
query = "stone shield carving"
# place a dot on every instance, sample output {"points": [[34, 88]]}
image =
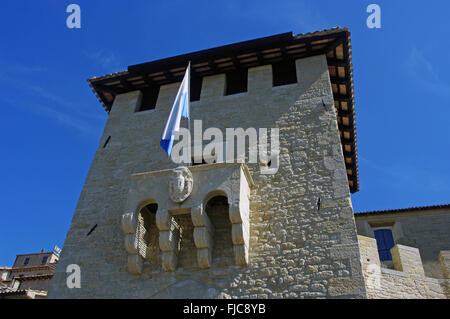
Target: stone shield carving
{"points": [[180, 184]]}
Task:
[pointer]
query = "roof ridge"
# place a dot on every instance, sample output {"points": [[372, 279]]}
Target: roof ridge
{"points": [[414, 208]]}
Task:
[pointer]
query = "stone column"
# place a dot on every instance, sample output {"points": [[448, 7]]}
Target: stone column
{"points": [[203, 236], [169, 239], [129, 226], [240, 233]]}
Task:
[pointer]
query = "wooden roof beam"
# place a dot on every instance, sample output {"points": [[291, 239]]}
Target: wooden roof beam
{"points": [[169, 76], [213, 66], [337, 80], [308, 47], [147, 80], [336, 62], [260, 57], [236, 62], [125, 83], [333, 45], [100, 87]]}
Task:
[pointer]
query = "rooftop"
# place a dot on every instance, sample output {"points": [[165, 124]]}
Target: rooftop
{"points": [[334, 43], [403, 210], [41, 253], [25, 293]]}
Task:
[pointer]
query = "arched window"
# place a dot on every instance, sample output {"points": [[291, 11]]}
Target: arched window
{"points": [[217, 209], [186, 255], [148, 234]]}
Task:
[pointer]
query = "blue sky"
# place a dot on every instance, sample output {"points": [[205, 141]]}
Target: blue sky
{"points": [[51, 122]]}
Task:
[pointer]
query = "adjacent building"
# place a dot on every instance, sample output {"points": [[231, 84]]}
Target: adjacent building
{"points": [[405, 252], [29, 277]]}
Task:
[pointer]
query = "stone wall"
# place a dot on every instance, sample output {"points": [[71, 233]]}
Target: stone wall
{"points": [[37, 284], [35, 259], [296, 249], [427, 230], [407, 280]]}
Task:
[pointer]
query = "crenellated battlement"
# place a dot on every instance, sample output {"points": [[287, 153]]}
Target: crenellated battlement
{"points": [[311, 80], [407, 278]]}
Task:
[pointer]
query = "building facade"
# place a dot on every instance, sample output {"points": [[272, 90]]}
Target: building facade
{"points": [[405, 252], [240, 233], [145, 227], [29, 277]]}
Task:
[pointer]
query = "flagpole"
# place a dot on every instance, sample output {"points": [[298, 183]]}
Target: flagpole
{"points": [[180, 109], [189, 114]]}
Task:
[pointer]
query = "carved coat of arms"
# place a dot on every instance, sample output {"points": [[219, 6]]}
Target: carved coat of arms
{"points": [[180, 184]]}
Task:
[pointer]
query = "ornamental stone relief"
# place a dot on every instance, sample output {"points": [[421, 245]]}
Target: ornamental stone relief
{"points": [[180, 184]]}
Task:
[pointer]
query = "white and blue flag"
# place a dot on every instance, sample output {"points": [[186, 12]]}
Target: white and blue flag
{"points": [[180, 109]]}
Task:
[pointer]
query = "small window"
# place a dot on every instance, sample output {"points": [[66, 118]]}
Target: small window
{"points": [[385, 241], [284, 73], [236, 82], [107, 141], [202, 163], [196, 88], [26, 261], [44, 260], [149, 98]]}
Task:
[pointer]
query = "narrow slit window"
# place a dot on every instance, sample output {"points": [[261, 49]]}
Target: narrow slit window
{"points": [[195, 164], [149, 98], [236, 82], [196, 88], [107, 141], [284, 73], [92, 229]]}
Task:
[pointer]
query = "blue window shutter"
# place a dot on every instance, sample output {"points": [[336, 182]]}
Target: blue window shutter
{"points": [[385, 241], [388, 239]]}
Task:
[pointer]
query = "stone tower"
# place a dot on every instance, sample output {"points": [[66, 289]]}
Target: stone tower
{"points": [[234, 232]]}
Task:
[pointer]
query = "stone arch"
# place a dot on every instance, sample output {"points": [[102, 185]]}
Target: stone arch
{"points": [[217, 208], [147, 232], [141, 235], [145, 202], [215, 193]]}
